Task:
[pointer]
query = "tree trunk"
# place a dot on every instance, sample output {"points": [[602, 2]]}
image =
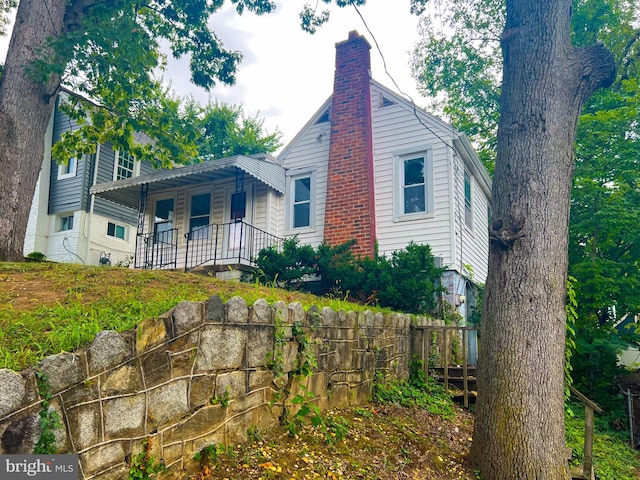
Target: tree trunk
{"points": [[519, 430], [26, 106]]}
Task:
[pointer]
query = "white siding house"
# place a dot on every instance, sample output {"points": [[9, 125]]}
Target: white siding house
{"points": [[452, 209], [368, 166]]}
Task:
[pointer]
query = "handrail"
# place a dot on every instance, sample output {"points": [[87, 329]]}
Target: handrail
{"points": [[236, 241], [157, 250], [589, 407], [426, 352]]}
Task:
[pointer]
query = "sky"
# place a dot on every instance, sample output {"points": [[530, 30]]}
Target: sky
{"points": [[287, 74]]}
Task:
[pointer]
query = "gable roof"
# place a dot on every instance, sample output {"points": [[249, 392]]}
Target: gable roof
{"points": [[127, 192], [461, 142]]}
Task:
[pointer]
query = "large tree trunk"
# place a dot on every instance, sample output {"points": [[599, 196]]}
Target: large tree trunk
{"points": [[519, 430], [26, 106]]}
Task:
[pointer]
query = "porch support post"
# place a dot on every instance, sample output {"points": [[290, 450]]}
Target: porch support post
{"points": [[142, 210]]}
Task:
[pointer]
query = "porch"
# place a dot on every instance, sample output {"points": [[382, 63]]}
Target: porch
{"points": [[213, 215], [215, 246]]}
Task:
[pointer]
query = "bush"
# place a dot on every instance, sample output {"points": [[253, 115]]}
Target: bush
{"points": [[409, 281]]}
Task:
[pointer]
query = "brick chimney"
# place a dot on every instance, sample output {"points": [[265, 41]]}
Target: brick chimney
{"points": [[350, 208]]}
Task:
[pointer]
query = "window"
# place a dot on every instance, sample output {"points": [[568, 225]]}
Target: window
{"points": [[125, 165], [384, 101], [468, 211], [413, 175], [325, 117], [163, 221], [66, 223], [117, 231], [199, 218], [414, 186], [67, 170], [301, 202]]}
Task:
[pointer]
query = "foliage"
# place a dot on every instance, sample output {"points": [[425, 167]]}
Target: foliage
{"points": [[224, 130], [38, 256], [288, 267], [418, 391], [143, 465], [432, 397], [613, 458], [223, 399], [333, 427], [408, 281], [458, 64], [49, 418], [209, 454], [570, 340]]}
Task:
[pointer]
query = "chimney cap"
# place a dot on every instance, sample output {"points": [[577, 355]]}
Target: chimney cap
{"points": [[354, 36]]}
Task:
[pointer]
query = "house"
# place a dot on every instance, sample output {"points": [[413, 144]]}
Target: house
{"points": [[66, 223], [368, 166]]}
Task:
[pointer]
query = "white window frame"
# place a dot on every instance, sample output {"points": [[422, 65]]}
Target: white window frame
{"points": [[399, 159], [69, 169], [63, 223], [155, 200], [116, 164], [188, 217], [291, 184], [468, 209], [117, 226]]}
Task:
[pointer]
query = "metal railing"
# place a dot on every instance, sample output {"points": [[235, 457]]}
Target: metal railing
{"points": [[235, 242], [157, 250]]}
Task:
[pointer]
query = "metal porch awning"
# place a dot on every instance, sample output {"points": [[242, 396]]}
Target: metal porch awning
{"points": [[127, 191]]}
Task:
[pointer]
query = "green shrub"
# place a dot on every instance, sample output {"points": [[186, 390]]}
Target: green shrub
{"points": [[408, 281]]}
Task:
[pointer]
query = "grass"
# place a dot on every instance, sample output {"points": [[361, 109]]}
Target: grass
{"points": [[47, 308]]}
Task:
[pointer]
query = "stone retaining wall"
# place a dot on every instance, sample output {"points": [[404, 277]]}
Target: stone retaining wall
{"points": [[201, 374]]}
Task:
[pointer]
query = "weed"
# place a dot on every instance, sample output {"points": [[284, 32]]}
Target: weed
{"points": [[49, 418], [363, 412], [613, 458], [333, 427], [306, 361], [143, 465], [209, 454], [253, 434], [223, 399], [404, 394]]}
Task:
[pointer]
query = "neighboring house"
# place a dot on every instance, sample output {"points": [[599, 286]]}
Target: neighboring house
{"points": [[66, 223], [368, 166]]}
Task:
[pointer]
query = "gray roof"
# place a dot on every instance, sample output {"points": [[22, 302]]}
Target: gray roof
{"points": [[127, 192]]}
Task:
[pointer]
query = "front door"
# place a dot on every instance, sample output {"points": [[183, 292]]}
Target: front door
{"points": [[238, 223]]}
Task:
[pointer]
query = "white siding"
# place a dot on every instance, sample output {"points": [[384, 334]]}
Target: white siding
{"points": [[310, 151], [396, 129], [118, 249], [37, 225], [472, 244]]}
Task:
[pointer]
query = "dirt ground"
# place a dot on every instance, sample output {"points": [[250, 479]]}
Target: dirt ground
{"points": [[381, 442]]}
